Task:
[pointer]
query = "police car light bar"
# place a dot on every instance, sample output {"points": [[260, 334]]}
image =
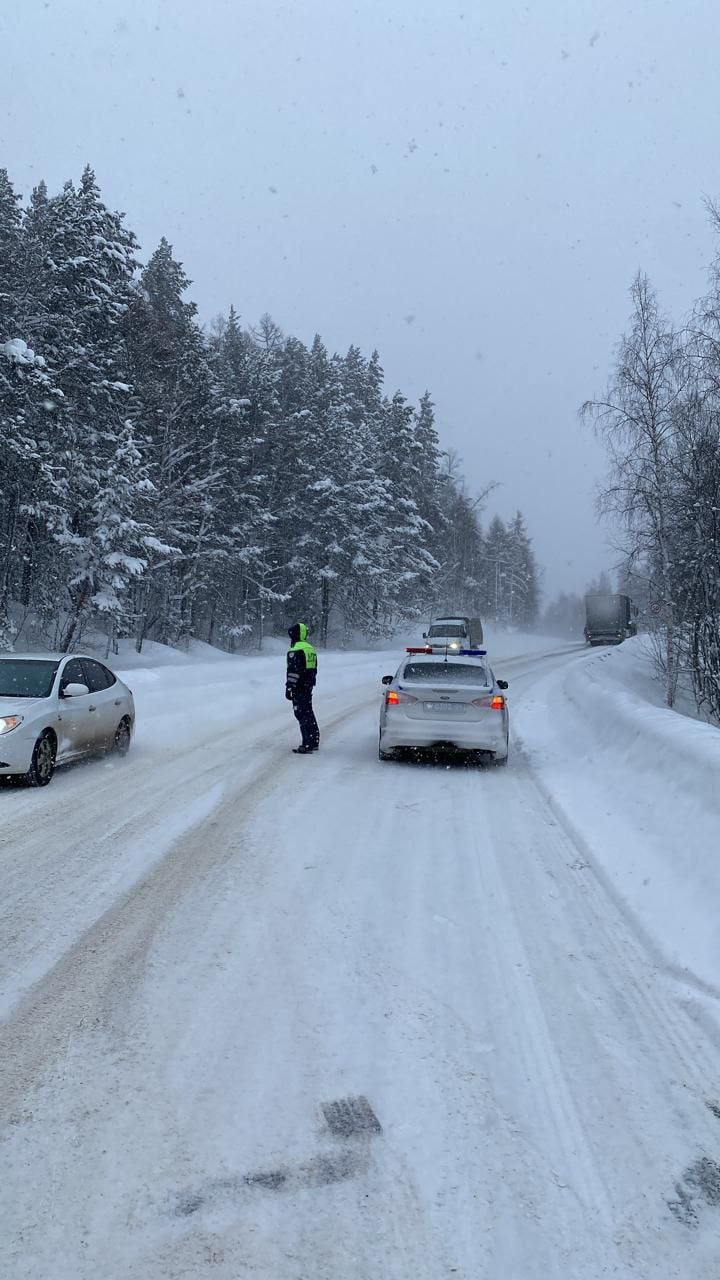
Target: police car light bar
{"points": [[454, 653]]}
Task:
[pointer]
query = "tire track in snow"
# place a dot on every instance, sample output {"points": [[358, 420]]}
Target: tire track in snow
{"points": [[422, 939], [101, 968]]}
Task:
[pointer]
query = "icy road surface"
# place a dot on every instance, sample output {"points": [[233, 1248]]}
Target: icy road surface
{"points": [[323, 1018]]}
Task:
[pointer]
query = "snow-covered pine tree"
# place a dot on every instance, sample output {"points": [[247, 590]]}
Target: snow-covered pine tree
{"points": [[243, 581], [410, 565], [365, 603], [10, 488], [10, 250], [521, 585], [29, 499], [344, 494], [497, 567], [123, 534], [173, 388], [29, 493], [78, 300]]}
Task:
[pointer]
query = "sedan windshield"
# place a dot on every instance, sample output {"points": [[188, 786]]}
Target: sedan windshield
{"points": [[446, 673], [26, 677], [447, 629]]}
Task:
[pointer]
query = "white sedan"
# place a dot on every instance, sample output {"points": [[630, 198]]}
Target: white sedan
{"points": [[54, 709], [452, 703]]}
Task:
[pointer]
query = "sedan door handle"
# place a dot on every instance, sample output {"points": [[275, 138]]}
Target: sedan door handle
{"points": [[92, 708], [118, 702]]}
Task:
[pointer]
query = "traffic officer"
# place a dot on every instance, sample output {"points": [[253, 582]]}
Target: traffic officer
{"points": [[299, 685]]}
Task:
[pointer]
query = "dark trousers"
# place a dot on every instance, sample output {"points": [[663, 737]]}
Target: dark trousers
{"points": [[305, 716]]}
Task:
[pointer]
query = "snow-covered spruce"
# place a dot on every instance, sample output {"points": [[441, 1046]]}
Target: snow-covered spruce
{"points": [[163, 483]]}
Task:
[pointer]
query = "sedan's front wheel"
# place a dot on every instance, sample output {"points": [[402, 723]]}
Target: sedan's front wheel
{"points": [[42, 767], [123, 735]]}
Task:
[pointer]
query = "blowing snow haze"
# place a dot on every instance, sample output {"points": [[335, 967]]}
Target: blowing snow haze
{"points": [[470, 188], [359, 917]]}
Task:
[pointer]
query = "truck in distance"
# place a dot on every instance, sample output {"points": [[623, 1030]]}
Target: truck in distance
{"points": [[609, 619], [454, 632]]}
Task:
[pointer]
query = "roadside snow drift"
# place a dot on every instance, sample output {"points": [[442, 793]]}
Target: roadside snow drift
{"points": [[641, 785]]}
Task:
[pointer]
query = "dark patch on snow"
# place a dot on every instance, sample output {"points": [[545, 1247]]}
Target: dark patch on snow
{"points": [[331, 1167], [714, 1107], [700, 1182], [271, 1180], [321, 1171], [683, 1208], [350, 1117], [704, 1177], [189, 1205]]}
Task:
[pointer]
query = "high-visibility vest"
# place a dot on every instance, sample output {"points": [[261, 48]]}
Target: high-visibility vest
{"points": [[304, 644]]}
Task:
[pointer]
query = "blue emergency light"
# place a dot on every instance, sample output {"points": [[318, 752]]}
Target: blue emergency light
{"points": [[472, 653]]}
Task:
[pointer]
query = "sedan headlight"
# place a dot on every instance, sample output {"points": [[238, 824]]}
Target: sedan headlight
{"points": [[7, 723]]}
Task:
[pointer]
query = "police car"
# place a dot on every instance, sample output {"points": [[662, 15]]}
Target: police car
{"points": [[448, 701]]}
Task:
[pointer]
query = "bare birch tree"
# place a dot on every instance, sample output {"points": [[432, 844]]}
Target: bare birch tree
{"points": [[635, 419]]}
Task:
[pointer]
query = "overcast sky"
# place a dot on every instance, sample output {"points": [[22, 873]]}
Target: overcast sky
{"points": [[469, 186]]}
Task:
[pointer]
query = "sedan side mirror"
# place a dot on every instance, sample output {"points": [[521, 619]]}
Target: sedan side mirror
{"points": [[387, 680], [424, 635], [74, 691], [502, 684]]}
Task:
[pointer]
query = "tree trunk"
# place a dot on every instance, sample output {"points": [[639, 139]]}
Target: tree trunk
{"points": [[324, 612], [73, 622], [8, 557]]}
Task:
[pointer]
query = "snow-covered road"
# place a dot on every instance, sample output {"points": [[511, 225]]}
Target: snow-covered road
{"points": [[206, 946]]}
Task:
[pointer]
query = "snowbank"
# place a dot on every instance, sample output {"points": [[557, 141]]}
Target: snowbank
{"points": [[639, 783]]}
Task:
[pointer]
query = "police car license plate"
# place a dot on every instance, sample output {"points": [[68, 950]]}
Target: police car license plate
{"points": [[450, 708]]}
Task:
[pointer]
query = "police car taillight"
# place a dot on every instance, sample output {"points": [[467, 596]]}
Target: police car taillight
{"points": [[495, 703]]}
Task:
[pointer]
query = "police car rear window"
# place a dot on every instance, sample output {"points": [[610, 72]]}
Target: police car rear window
{"points": [[446, 673]]}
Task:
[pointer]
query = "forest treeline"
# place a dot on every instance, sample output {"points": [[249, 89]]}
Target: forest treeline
{"points": [[160, 481]]}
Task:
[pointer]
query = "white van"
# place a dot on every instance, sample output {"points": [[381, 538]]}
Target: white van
{"points": [[451, 633]]}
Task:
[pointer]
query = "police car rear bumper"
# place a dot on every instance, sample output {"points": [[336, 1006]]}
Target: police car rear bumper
{"points": [[481, 735]]}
